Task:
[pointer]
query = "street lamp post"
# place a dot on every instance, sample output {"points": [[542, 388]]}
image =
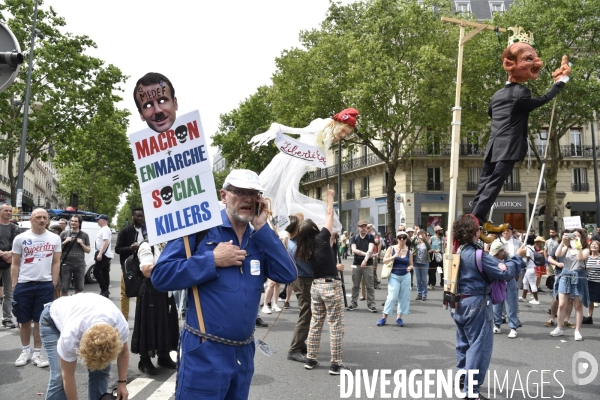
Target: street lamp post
{"points": [[23, 150], [595, 157]]}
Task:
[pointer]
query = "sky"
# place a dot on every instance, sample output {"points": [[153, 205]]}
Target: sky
{"points": [[216, 53]]}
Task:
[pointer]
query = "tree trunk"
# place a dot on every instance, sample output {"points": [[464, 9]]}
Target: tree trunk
{"points": [[391, 197], [552, 169]]}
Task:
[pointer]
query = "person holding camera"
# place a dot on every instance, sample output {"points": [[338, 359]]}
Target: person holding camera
{"points": [[572, 285], [76, 244]]}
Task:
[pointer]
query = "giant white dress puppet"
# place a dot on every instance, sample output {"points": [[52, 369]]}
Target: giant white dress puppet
{"points": [[281, 178]]}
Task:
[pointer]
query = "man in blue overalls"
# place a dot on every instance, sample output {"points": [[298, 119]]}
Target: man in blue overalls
{"points": [[473, 316], [228, 266]]}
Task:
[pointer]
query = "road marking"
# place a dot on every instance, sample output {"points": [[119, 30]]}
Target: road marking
{"points": [[166, 390], [137, 385]]}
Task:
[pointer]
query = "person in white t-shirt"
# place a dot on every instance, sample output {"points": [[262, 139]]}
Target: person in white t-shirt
{"points": [[103, 255], [89, 326], [35, 272]]}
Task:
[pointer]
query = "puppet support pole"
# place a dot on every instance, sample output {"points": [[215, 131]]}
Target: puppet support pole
{"points": [[537, 193], [451, 260]]}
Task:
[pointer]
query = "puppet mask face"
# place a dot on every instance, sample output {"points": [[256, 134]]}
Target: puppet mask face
{"points": [[527, 66]]}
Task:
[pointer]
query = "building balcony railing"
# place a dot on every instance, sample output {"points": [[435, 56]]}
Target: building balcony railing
{"points": [[350, 196], [351, 165], [512, 186], [580, 187], [472, 186], [435, 185], [364, 193]]}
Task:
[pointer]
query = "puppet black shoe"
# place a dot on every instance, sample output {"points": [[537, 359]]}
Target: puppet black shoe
{"points": [[494, 228]]}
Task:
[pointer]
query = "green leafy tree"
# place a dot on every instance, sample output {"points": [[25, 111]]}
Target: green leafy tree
{"points": [[253, 116], [134, 200], [68, 87], [392, 60]]}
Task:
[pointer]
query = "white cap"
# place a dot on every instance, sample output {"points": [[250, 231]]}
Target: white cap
{"points": [[243, 179], [496, 247], [410, 230]]}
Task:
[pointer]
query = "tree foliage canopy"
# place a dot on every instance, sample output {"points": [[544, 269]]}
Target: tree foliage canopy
{"points": [[76, 92]]}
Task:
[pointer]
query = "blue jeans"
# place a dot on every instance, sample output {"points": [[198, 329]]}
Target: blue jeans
{"points": [[421, 275], [398, 288], [474, 337], [98, 380], [511, 304]]}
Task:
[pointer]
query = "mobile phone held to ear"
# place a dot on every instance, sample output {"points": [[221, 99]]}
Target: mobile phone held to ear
{"points": [[258, 207]]}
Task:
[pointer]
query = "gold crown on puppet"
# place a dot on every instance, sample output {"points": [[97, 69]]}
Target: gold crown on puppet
{"points": [[519, 35]]}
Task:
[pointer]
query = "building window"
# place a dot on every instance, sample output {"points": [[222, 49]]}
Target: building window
{"points": [[473, 174], [576, 147], [318, 196], [365, 153], [463, 7], [336, 155], [472, 146], [433, 142], [307, 193], [513, 183], [497, 6], [350, 191], [434, 179], [580, 182], [364, 191]]}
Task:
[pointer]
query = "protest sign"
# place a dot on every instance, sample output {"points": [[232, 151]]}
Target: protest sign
{"points": [[572, 222], [176, 181]]}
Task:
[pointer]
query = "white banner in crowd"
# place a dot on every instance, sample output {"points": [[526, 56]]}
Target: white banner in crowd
{"points": [[176, 181], [572, 222], [303, 151]]}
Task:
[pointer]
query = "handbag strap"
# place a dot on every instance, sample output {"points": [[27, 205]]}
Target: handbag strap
{"points": [[68, 251]]}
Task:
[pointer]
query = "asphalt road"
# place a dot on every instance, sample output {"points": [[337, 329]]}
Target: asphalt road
{"points": [[426, 342]]}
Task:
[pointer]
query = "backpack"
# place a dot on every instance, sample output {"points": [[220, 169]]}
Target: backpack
{"points": [[132, 275], [498, 286], [538, 258]]}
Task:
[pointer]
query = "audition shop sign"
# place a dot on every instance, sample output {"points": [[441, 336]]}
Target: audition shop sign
{"points": [[176, 181]]}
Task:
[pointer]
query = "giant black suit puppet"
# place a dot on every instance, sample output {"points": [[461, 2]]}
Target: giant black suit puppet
{"points": [[509, 110]]}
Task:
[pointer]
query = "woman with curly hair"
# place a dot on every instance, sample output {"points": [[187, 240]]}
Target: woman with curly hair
{"points": [[473, 312], [92, 327]]}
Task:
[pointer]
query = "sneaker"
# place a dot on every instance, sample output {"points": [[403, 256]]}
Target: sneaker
{"points": [[567, 324], [296, 356], [521, 298], [39, 361], [286, 305], [266, 310], [419, 297], [310, 364], [512, 334], [362, 299], [23, 359], [557, 332], [276, 308], [587, 321], [400, 322], [497, 329], [534, 302], [541, 290], [351, 307], [8, 324], [432, 288], [335, 369], [424, 298], [578, 336], [549, 323], [381, 322], [429, 287], [372, 309]]}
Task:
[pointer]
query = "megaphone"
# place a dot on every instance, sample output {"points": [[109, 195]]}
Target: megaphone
{"points": [[11, 58]]}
